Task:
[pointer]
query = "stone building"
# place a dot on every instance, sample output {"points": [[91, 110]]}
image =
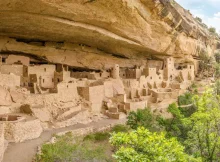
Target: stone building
{"points": [[128, 89], [115, 72], [169, 69], [15, 59], [44, 75], [133, 73], [93, 94], [19, 70]]}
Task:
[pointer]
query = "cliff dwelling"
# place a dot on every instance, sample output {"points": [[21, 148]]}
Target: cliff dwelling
{"points": [[69, 64], [113, 92]]}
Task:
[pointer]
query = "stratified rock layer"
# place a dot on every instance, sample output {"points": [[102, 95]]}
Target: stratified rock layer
{"points": [[96, 34]]}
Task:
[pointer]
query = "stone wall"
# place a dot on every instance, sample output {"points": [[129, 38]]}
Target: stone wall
{"points": [[44, 73], [67, 90], [10, 80], [2, 142], [14, 69], [23, 130], [18, 59]]}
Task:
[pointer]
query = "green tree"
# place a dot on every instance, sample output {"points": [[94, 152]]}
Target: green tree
{"points": [[185, 99], [212, 30], [175, 126], [206, 63], [204, 137], [199, 19], [142, 117], [143, 146]]}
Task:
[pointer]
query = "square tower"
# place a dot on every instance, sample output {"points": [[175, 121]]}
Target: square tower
{"points": [[169, 69]]}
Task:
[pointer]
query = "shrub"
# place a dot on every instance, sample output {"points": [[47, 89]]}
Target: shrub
{"points": [[217, 57], [143, 117], [217, 70], [119, 128], [185, 99], [99, 136], [199, 19], [206, 61], [60, 151], [212, 30], [217, 87]]}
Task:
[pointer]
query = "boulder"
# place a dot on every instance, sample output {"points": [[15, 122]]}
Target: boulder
{"points": [[26, 108]]}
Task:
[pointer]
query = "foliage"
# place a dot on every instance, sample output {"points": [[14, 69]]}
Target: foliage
{"points": [[61, 150], [193, 85], [143, 146], [185, 99], [119, 128], [217, 57], [102, 136], [212, 30], [206, 64], [199, 19], [217, 87], [194, 88], [217, 70], [206, 60], [68, 149], [99, 136], [175, 126], [204, 137], [143, 117]]}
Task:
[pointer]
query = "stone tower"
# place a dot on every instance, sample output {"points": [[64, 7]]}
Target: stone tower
{"points": [[169, 69], [115, 72]]}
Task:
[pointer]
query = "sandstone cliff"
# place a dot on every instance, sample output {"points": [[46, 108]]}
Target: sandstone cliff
{"points": [[96, 34]]}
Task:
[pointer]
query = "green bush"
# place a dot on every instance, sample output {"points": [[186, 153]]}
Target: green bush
{"points": [[199, 19], [185, 99], [212, 30], [217, 87], [143, 118], [217, 70], [99, 136], [120, 128], [217, 57], [206, 61]]}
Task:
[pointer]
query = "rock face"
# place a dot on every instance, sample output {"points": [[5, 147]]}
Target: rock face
{"points": [[86, 33]]}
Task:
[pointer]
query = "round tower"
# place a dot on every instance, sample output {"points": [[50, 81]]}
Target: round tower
{"points": [[115, 72]]}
